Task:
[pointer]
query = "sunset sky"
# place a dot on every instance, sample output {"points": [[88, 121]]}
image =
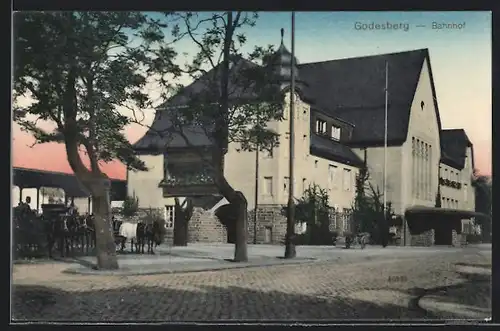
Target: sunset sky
{"points": [[460, 59]]}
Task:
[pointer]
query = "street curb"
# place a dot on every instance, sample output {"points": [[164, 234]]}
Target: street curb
{"points": [[430, 292], [135, 272]]}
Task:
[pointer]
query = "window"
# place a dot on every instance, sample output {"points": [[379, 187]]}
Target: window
{"points": [[448, 203], [169, 217], [346, 220], [445, 174], [304, 184], [315, 163], [335, 132], [465, 193], [347, 179], [268, 185], [321, 127], [286, 181], [304, 114], [332, 174]]}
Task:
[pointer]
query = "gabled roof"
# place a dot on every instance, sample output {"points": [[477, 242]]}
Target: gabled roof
{"points": [[160, 135], [353, 90], [454, 143], [350, 89], [333, 150]]}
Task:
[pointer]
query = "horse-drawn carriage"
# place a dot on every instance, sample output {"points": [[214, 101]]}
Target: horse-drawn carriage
{"points": [[149, 231], [28, 234], [58, 227]]}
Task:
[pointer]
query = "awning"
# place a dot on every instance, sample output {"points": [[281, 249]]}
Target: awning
{"points": [[32, 178], [434, 211]]}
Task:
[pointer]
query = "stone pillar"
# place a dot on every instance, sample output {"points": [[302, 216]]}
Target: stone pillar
{"points": [[20, 194]]}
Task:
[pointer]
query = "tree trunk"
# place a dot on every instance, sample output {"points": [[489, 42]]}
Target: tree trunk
{"points": [[180, 231], [240, 247], [183, 213], [290, 251], [238, 200], [105, 243]]}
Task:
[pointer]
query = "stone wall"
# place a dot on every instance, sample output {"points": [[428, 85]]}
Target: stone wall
{"points": [[271, 225], [205, 227], [424, 239]]}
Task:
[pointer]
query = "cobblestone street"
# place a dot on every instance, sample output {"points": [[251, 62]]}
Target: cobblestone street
{"points": [[384, 288]]}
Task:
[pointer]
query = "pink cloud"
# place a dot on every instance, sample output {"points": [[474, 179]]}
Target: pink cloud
{"points": [[52, 157]]}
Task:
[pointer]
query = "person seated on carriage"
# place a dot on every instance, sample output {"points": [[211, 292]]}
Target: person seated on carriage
{"points": [[24, 207], [72, 210]]}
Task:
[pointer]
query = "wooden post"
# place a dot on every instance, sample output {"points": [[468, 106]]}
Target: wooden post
{"points": [[37, 199]]}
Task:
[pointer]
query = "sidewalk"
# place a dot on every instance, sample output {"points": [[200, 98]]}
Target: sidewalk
{"points": [[460, 302], [470, 300], [151, 265], [209, 257]]}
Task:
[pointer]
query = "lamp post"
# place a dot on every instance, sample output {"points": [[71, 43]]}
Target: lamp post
{"points": [[290, 229], [256, 194]]}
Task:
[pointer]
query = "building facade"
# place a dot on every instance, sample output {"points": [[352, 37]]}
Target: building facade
{"points": [[339, 127]]}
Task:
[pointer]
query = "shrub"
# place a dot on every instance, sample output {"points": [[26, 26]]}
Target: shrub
{"points": [[130, 206]]}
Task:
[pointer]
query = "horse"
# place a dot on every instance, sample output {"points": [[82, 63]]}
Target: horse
{"points": [[126, 231], [73, 232], [85, 232], [57, 230], [152, 233]]}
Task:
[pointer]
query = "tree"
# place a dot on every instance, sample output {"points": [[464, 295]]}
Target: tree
{"points": [[361, 206], [368, 209], [233, 101], [79, 68], [130, 206], [313, 209], [483, 197]]}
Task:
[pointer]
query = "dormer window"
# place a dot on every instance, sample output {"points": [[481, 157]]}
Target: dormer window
{"points": [[335, 134], [321, 127]]}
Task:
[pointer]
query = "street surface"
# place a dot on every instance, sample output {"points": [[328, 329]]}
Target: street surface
{"points": [[382, 287]]}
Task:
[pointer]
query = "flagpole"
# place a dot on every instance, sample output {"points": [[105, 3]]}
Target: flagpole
{"points": [[289, 246], [385, 136]]}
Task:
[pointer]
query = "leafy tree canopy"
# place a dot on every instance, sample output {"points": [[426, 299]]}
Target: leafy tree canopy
{"points": [[79, 68], [232, 100]]}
